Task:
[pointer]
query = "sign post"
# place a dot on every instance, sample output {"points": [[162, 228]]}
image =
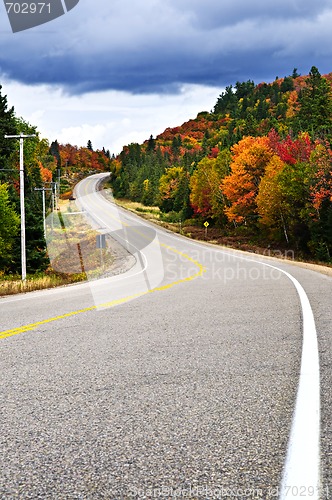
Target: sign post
{"points": [[206, 225], [101, 243]]}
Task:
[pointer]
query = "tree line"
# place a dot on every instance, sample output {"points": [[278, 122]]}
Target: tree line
{"points": [[260, 163], [44, 163]]}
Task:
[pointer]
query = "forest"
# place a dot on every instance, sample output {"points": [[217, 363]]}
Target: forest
{"points": [[258, 164], [44, 165]]}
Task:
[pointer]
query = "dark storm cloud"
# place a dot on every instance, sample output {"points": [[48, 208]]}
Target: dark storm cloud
{"points": [[147, 46], [212, 14]]}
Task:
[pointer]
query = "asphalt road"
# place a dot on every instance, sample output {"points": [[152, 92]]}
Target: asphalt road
{"points": [[176, 378]]}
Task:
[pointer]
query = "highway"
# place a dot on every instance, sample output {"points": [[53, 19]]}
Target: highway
{"points": [[190, 370]]}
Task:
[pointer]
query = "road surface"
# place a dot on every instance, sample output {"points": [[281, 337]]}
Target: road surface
{"points": [[185, 375]]}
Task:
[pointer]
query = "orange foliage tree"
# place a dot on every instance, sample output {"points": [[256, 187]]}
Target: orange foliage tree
{"points": [[249, 160], [46, 174]]}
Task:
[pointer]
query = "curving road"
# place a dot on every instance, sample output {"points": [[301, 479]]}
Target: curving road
{"points": [[196, 372]]}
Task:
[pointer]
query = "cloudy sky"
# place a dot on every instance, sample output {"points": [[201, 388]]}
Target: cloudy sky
{"points": [[116, 71]]}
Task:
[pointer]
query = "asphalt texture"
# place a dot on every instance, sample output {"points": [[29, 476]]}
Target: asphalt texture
{"points": [[182, 385]]}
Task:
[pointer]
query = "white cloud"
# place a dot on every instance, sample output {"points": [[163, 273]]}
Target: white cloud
{"points": [[110, 119]]}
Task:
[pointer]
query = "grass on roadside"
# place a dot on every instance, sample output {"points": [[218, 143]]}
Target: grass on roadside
{"points": [[13, 284], [152, 214], [136, 207], [73, 254]]}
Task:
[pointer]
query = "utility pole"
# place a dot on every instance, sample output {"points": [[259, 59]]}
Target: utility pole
{"points": [[21, 137], [59, 187], [43, 189]]}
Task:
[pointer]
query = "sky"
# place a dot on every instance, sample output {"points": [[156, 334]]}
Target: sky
{"points": [[117, 71]]}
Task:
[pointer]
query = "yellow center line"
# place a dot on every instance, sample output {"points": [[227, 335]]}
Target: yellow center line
{"points": [[32, 326]]}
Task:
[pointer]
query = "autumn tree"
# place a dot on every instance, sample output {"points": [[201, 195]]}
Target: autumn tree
{"points": [[321, 198], [206, 197], [291, 150], [273, 207], [283, 200], [174, 190], [249, 160]]}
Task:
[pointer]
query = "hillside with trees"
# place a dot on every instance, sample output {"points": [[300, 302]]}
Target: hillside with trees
{"points": [[259, 164]]}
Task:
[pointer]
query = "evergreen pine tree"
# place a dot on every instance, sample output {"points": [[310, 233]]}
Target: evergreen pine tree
{"points": [[151, 144], [315, 115], [55, 151], [7, 127], [9, 228]]}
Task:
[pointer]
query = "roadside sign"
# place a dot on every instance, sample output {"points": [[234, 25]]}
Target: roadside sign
{"points": [[101, 241]]}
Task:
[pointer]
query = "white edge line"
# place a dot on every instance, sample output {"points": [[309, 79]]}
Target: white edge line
{"points": [[301, 473], [302, 465]]}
